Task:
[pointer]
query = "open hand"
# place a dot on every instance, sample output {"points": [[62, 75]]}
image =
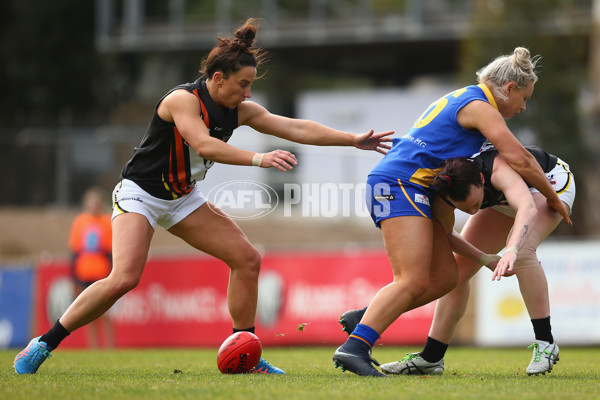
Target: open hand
{"points": [[504, 266], [374, 141]]}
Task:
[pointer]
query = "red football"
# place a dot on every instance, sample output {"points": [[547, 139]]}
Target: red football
{"points": [[239, 353]]}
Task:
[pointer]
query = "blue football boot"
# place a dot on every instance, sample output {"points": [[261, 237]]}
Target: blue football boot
{"points": [[29, 360], [264, 367]]}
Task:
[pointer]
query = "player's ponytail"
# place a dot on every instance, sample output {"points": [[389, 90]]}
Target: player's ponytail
{"points": [[245, 36], [518, 67], [230, 55]]}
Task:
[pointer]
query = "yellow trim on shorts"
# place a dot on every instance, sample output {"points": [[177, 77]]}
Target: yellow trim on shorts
{"points": [[116, 203], [409, 199], [119, 209]]}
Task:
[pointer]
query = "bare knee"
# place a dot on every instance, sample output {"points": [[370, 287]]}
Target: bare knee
{"points": [[527, 259], [247, 261], [121, 285], [415, 288]]}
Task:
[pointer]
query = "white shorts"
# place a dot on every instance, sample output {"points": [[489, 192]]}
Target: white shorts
{"points": [[129, 197], [562, 181]]}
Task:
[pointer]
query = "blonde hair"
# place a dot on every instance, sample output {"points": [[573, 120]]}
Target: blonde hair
{"points": [[518, 67]]}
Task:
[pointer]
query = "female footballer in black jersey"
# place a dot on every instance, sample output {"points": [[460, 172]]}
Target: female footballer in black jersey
{"points": [[187, 134]]}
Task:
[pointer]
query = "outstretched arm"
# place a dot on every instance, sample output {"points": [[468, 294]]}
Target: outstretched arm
{"points": [[309, 132]]}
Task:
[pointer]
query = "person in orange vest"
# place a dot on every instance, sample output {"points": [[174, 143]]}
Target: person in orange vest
{"points": [[90, 243]]}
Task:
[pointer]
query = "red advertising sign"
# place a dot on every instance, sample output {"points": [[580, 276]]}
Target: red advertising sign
{"points": [[183, 301]]}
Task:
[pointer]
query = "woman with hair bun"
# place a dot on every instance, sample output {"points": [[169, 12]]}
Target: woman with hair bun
{"points": [[456, 125], [188, 133]]}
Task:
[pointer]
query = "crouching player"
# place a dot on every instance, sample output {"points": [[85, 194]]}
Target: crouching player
{"points": [[509, 208]]}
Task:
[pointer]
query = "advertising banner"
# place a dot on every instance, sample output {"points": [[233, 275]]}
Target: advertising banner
{"points": [[183, 301], [16, 301], [573, 274]]}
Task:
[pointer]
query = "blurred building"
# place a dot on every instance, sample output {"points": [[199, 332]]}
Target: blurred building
{"points": [[353, 64]]}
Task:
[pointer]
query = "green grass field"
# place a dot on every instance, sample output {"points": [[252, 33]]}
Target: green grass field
{"points": [[471, 373]]}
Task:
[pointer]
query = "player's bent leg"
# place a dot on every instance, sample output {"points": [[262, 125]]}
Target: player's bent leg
{"points": [[451, 307], [131, 240], [448, 311], [443, 277], [409, 250], [532, 279], [409, 245], [443, 272], [534, 289], [209, 230]]}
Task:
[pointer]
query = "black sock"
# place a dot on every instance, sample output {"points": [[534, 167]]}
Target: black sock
{"points": [[433, 351], [55, 335], [542, 329], [251, 330]]}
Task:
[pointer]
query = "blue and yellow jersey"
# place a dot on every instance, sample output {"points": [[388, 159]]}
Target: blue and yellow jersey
{"points": [[436, 136]]}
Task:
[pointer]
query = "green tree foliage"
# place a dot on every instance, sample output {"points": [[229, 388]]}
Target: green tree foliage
{"points": [[51, 70], [48, 55], [553, 113], [553, 118]]}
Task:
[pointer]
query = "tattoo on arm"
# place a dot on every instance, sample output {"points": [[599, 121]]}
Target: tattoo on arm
{"points": [[524, 236]]}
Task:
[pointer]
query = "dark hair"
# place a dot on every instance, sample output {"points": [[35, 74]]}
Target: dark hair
{"points": [[231, 55], [456, 177]]}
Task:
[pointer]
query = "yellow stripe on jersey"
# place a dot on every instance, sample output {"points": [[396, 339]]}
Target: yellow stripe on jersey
{"points": [[424, 176]]}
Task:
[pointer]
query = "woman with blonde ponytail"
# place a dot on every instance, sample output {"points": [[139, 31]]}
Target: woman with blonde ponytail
{"points": [[187, 134]]}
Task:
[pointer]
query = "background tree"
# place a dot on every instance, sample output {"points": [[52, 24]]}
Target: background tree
{"points": [[553, 119]]}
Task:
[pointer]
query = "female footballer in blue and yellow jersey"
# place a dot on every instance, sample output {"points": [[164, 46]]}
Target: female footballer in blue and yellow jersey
{"points": [[400, 182], [400, 199]]}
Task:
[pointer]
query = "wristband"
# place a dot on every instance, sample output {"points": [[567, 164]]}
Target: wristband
{"points": [[257, 159], [487, 259], [513, 249]]}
